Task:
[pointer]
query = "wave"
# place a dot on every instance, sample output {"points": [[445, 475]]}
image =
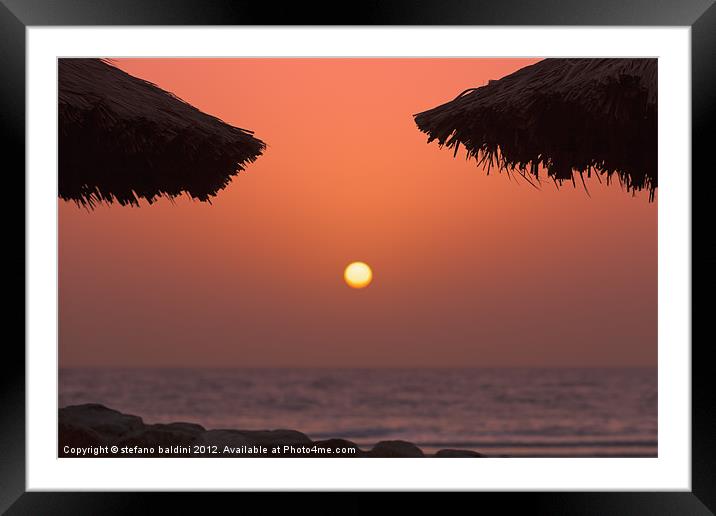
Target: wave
{"points": [[538, 444]]}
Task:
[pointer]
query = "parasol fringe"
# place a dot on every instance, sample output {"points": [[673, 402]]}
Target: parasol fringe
{"points": [[561, 117]]}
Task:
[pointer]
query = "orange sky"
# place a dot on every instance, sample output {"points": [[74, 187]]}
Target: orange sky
{"points": [[469, 269]]}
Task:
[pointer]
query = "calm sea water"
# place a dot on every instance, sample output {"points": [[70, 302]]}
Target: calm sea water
{"points": [[515, 412]]}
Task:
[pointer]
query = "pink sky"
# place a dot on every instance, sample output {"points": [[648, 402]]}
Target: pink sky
{"points": [[470, 270]]}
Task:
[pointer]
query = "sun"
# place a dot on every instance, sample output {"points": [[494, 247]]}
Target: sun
{"points": [[358, 275]]}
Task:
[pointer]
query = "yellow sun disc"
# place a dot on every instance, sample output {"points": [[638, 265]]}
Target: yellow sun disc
{"points": [[358, 275]]}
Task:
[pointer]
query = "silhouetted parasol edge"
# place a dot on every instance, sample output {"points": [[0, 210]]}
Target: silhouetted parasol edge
{"points": [[564, 116], [122, 139]]}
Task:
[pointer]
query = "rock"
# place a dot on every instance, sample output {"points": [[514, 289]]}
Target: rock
{"points": [[94, 425], [183, 427], [173, 434], [458, 453], [71, 435], [277, 437], [267, 438], [336, 445], [234, 438], [108, 424], [395, 449]]}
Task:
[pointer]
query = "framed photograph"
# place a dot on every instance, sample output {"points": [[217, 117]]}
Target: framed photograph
{"points": [[434, 249]]}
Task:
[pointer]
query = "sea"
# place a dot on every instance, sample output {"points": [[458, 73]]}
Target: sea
{"points": [[514, 412]]}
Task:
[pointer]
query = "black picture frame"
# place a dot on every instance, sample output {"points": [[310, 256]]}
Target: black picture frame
{"points": [[699, 15]]}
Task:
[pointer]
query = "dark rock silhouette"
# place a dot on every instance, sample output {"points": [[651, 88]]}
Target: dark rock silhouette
{"points": [[568, 116], [458, 453], [395, 449], [105, 422], [336, 445], [164, 435], [91, 430], [255, 437]]}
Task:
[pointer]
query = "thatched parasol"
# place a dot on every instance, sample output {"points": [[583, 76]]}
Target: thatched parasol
{"points": [[122, 138], [564, 115]]}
